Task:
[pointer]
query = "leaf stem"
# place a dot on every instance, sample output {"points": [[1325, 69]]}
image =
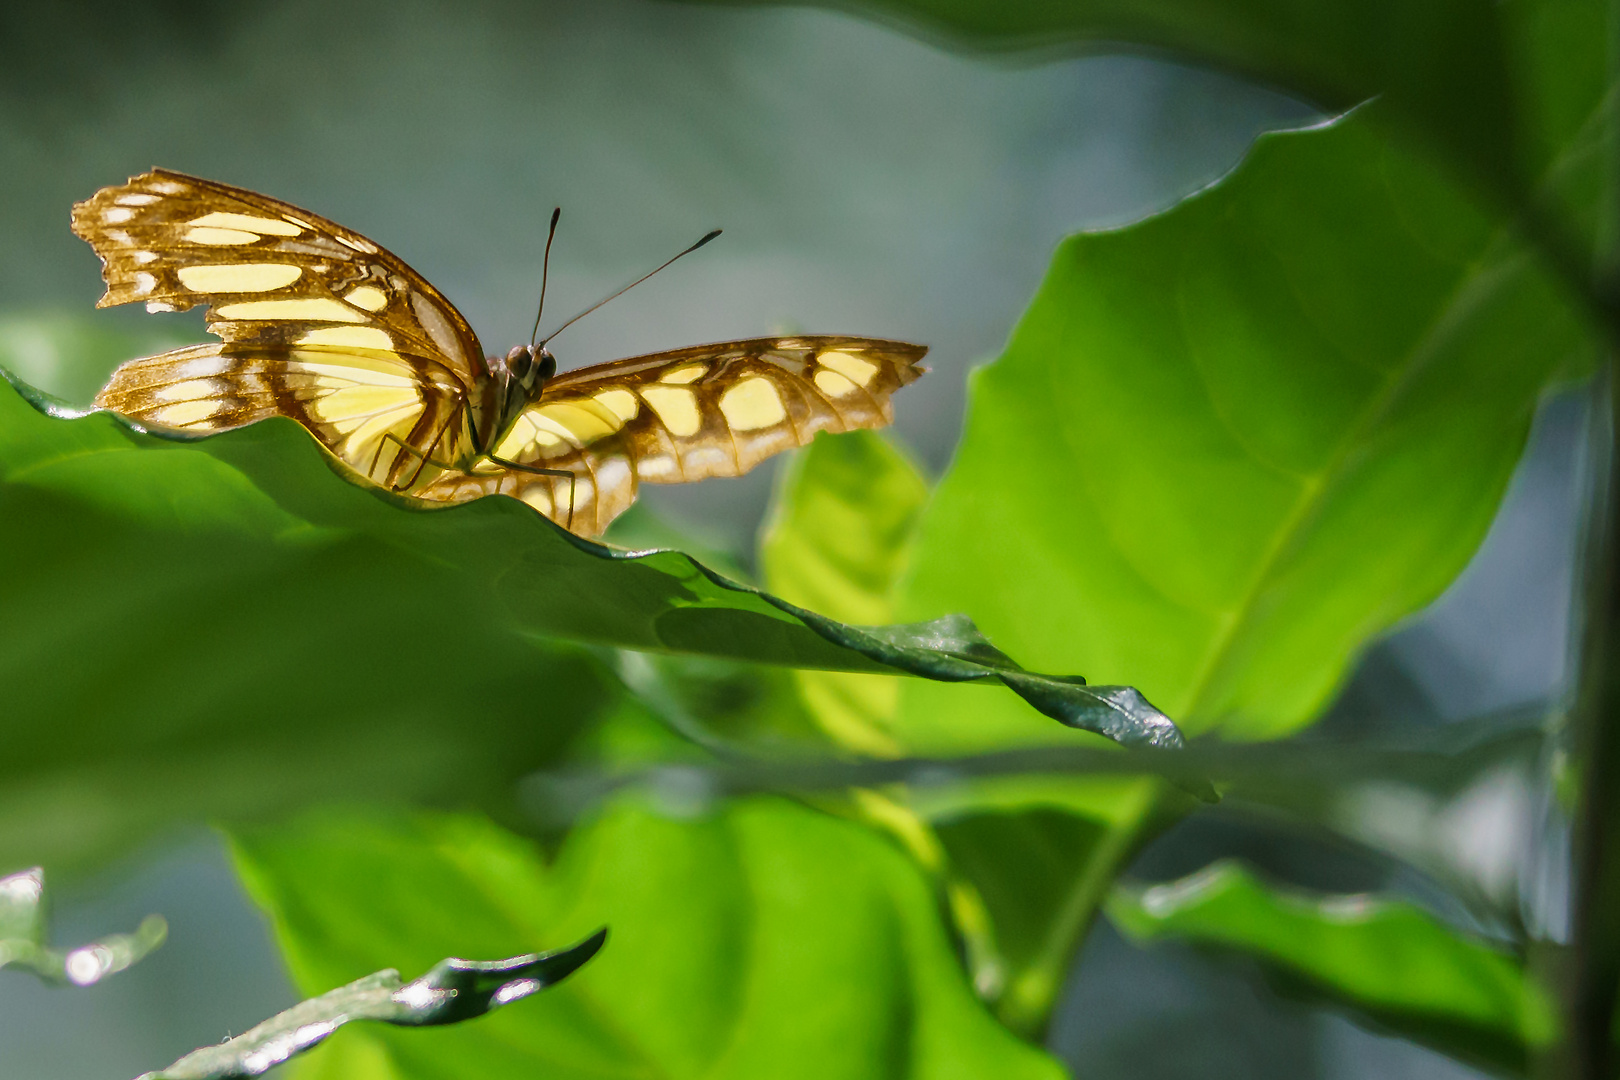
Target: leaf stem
{"points": [[1593, 987], [1027, 1005], [1595, 964]]}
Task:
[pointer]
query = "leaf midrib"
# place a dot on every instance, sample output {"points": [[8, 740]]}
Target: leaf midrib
{"points": [[1320, 483]]}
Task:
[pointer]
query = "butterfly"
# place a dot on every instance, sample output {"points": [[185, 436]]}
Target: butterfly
{"points": [[320, 324]]}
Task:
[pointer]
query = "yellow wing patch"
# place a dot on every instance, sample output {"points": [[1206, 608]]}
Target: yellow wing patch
{"points": [[676, 407], [238, 277], [752, 404]]}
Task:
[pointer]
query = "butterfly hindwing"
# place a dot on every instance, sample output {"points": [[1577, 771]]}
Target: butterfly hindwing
{"points": [[684, 415], [351, 400], [271, 274]]}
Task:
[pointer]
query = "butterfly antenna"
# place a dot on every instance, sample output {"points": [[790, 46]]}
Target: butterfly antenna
{"points": [[545, 273], [627, 288]]}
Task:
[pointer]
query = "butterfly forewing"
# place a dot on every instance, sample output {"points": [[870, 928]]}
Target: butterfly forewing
{"points": [[689, 414], [271, 274]]}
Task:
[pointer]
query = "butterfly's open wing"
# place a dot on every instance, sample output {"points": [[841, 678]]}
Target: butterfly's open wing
{"points": [[318, 323], [673, 417]]}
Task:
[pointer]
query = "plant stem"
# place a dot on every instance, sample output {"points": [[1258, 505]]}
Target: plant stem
{"points": [[1595, 974]]}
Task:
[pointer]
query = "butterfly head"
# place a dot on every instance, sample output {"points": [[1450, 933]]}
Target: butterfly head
{"points": [[528, 368]]}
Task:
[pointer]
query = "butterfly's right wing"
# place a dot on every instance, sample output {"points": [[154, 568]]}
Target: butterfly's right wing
{"points": [[684, 415], [351, 399]]}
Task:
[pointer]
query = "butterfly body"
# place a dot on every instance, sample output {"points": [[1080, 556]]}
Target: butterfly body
{"points": [[320, 324]]}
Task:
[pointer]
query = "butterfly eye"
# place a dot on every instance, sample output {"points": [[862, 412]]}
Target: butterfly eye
{"points": [[548, 365], [518, 361]]}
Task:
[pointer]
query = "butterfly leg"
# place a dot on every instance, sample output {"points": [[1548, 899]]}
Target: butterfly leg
{"points": [[537, 471], [427, 459]]}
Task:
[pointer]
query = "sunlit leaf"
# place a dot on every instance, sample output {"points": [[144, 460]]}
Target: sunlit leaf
{"points": [[840, 535], [1227, 445]]}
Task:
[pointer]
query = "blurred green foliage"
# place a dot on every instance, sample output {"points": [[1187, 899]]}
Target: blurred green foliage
{"points": [[764, 938]]}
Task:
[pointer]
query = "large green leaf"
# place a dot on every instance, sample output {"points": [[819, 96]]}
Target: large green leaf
{"points": [[1387, 961], [838, 538], [1227, 445], [1224, 447], [179, 646], [225, 627], [767, 940]]}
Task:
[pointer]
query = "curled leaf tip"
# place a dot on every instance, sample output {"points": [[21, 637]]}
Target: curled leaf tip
{"points": [[22, 938], [452, 991]]}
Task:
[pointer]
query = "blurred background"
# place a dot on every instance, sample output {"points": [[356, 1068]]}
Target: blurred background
{"points": [[868, 183]]}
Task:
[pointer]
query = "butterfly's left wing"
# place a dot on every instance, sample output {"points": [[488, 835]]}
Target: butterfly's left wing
{"points": [[352, 400], [688, 414], [317, 323]]}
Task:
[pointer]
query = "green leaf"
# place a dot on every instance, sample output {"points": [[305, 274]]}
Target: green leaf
{"points": [[1024, 865], [1229, 444], [229, 619], [767, 939], [837, 539], [841, 526], [1224, 448], [178, 645], [453, 991], [1388, 962], [1567, 93], [22, 938]]}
